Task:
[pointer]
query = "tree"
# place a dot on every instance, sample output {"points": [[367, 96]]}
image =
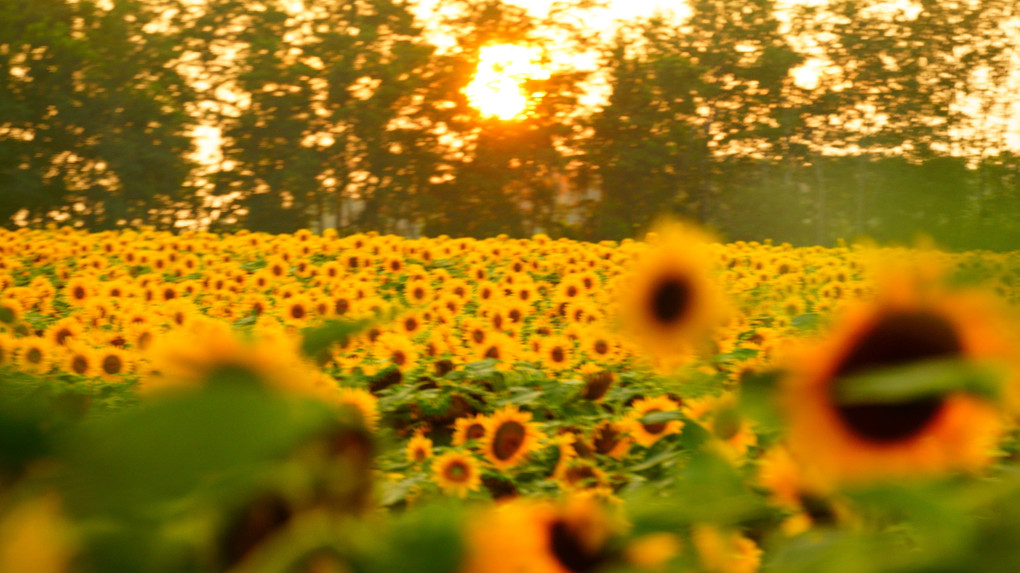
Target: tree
{"points": [[94, 123], [647, 149], [503, 176]]}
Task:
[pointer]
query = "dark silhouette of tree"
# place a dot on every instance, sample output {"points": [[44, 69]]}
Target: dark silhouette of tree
{"points": [[92, 118]]}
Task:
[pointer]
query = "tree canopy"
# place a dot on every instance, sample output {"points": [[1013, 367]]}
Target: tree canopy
{"points": [[346, 113]]}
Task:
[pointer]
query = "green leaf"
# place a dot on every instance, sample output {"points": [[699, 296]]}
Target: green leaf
{"points": [[920, 379], [131, 463], [808, 321], [661, 417], [318, 338]]}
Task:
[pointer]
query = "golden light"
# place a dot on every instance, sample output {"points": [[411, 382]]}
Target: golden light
{"points": [[499, 85]]}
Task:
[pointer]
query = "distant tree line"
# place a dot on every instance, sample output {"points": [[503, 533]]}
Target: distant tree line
{"points": [[901, 131]]}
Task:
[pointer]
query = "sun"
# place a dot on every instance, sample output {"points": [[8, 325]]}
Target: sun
{"points": [[498, 89]]}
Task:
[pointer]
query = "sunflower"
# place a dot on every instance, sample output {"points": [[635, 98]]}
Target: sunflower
{"points": [[474, 332], [208, 352], [646, 434], [112, 363], [419, 448], [417, 291], [598, 346], [10, 311], [909, 322], [457, 473], [509, 437], [80, 360], [469, 428], [363, 402], [8, 346], [669, 300], [35, 354], [611, 439], [78, 290], [541, 537], [64, 331], [579, 474], [597, 383], [398, 349], [297, 309], [412, 324], [725, 551], [556, 352], [498, 346]]}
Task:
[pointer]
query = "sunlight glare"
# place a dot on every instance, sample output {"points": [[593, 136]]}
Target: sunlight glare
{"points": [[498, 87]]}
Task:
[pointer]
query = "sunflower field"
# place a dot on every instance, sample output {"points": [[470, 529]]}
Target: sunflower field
{"points": [[370, 403]]}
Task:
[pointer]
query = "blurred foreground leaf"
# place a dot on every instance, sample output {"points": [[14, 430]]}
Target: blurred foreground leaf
{"points": [[318, 338], [132, 463], [927, 378]]}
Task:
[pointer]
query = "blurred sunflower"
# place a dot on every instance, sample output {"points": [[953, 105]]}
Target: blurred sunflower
{"points": [[611, 439], [457, 473], [541, 537], [911, 321], [112, 363], [469, 428], [556, 352], [80, 360], [10, 311], [669, 299], [509, 437], [210, 352], [78, 290], [398, 349], [647, 433], [419, 448], [8, 346], [64, 331], [35, 354], [363, 402], [725, 551]]}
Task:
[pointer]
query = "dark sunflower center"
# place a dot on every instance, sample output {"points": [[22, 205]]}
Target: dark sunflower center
{"points": [[601, 346], [670, 300], [297, 312], [112, 364], [492, 352], [568, 549], [897, 338], [597, 385], [342, 305], [79, 293], [475, 431], [606, 439], [79, 364], [34, 356], [508, 439], [457, 471], [657, 428], [557, 354], [580, 474]]}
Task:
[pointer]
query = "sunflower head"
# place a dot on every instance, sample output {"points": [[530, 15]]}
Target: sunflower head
{"points": [[646, 432], [574, 535], [509, 437], [669, 300], [908, 325], [457, 473], [419, 448]]}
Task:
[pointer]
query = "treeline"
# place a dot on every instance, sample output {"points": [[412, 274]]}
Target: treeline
{"points": [[345, 111]]}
